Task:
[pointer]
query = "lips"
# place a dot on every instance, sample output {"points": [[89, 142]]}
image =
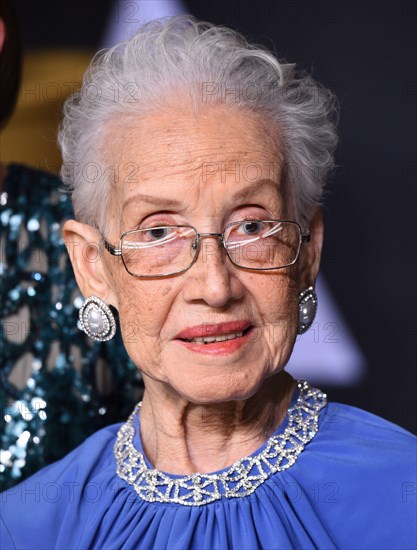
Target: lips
{"points": [[212, 332], [216, 339]]}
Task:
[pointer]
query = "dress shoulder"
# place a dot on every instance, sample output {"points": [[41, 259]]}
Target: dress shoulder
{"points": [[345, 420], [363, 467]]}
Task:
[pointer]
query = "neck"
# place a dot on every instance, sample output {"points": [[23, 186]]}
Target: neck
{"points": [[180, 437]]}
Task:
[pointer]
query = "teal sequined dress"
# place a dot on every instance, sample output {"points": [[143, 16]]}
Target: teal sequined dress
{"points": [[56, 386]]}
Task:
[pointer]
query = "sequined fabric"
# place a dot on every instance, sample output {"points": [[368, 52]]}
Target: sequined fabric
{"points": [[56, 386]]}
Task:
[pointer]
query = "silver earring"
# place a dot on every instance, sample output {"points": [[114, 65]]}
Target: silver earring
{"points": [[96, 320], [307, 307]]}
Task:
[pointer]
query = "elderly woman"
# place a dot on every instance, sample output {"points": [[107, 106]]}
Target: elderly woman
{"points": [[197, 164]]}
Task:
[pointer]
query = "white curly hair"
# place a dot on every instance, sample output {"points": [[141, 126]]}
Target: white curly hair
{"points": [[207, 64]]}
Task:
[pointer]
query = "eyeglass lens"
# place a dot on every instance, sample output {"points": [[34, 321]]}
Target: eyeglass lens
{"points": [[252, 244]]}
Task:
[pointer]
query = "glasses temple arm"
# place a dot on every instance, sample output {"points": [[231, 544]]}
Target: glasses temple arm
{"points": [[305, 238], [113, 251]]}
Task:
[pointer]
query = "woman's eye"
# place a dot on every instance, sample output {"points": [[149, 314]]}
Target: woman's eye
{"points": [[157, 233], [251, 227]]}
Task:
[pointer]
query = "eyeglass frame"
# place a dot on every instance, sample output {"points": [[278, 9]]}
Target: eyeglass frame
{"points": [[304, 238]]}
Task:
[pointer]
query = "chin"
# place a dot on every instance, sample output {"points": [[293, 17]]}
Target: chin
{"points": [[219, 388]]}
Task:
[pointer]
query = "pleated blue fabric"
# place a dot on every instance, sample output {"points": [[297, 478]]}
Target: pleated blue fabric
{"points": [[353, 486]]}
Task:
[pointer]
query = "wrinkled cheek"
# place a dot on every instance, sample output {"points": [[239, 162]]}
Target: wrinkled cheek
{"points": [[143, 350], [130, 325], [132, 320], [280, 329], [129, 313], [141, 317]]}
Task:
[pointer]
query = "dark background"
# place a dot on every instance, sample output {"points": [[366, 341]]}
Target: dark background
{"points": [[365, 51]]}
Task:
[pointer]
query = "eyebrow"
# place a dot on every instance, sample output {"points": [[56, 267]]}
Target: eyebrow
{"points": [[172, 203], [149, 199]]}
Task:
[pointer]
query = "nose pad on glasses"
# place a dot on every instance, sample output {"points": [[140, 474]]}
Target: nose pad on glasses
{"points": [[195, 244]]}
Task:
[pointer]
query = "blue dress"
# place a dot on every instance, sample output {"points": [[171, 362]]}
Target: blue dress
{"points": [[331, 476]]}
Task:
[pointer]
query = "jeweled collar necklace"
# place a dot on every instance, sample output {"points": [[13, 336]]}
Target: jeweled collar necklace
{"points": [[241, 479]]}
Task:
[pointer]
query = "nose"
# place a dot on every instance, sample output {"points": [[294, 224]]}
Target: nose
{"points": [[212, 278]]}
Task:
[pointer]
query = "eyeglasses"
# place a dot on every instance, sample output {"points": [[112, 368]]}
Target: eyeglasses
{"points": [[165, 250]]}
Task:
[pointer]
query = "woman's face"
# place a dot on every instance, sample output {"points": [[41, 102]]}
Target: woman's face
{"points": [[204, 170]]}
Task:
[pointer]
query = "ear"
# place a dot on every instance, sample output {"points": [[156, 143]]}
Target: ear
{"points": [[85, 250], [309, 261]]}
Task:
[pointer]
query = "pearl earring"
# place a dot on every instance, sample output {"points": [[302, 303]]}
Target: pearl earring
{"points": [[96, 320], [307, 309]]}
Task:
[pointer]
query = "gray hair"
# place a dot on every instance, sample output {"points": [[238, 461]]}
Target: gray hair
{"points": [[205, 64]]}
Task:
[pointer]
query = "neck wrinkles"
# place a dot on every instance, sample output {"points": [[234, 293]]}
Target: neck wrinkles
{"points": [[183, 438]]}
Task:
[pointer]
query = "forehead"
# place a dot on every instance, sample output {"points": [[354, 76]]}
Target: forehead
{"points": [[182, 154]]}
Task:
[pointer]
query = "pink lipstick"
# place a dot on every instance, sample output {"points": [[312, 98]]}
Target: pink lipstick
{"points": [[216, 338]]}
